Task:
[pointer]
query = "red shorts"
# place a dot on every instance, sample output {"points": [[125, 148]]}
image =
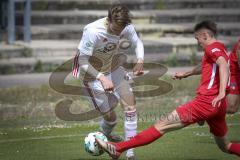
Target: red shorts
{"points": [[200, 109], [235, 84]]}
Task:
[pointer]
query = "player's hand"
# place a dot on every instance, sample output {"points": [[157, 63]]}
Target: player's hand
{"points": [[106, 83], [217, 100], [179, 75], [138, 68]]}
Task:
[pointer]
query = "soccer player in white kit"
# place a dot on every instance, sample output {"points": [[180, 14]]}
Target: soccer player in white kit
{"points": [[96, 65]]}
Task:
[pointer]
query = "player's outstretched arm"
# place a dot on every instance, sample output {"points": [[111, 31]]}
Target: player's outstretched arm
{"points": [[195, 71], [138, 68], [138, 47]]}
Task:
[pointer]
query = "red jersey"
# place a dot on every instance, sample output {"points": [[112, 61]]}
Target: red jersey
{"points": [[234, 66], [210, 80]]}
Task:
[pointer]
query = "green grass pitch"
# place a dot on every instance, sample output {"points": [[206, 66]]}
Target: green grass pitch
{"points": [[36, 136], [193, 143]]}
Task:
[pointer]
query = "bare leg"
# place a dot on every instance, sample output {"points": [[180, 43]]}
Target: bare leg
{"points": [[226, 146], [233, 103], [170, 123], [223, 143]]}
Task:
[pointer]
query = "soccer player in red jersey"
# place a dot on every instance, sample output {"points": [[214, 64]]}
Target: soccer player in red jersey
{"points": [[234, 95], [209, 104], [233, 98]]}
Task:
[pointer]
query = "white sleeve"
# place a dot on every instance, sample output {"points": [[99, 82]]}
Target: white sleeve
{"points": [[87, 43], [131, 34], [136, 42], [139, 50]]}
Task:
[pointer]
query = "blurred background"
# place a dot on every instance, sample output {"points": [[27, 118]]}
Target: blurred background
{"points": [[37, 36], [53, 28]]}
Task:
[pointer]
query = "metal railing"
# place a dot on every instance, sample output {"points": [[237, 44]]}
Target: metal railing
{"points": [[9, 15]]}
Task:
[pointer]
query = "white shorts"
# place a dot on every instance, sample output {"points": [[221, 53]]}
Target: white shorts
{"points": [[105, 101]]}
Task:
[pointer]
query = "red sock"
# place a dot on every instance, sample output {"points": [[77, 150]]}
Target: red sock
{"points": [[235, 149], [143, 138]]}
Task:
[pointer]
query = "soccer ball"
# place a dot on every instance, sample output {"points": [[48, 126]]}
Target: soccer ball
{"points": [[91, 145]]}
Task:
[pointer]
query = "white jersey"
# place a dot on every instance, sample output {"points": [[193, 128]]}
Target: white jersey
{"points": [[101, 45]]}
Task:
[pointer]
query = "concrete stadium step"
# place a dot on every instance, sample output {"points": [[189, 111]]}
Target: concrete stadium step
{"points": [[71, 31], [90, 4], [146, 16], [45, 64], [11, 51], [51, 48], [195, 15], [46, 55], [185, 29], [38, 48], [189, 4], [74, 31], [133, 4], [30, 64], [56, 48]]}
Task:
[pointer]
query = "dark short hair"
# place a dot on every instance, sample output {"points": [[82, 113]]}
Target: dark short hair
{"points": [[207, 24], [119, 14]]}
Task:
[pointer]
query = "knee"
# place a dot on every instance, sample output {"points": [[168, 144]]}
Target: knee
{"points": [[129, 108], [110, 117], [170, 123], [232, 108], [161, 126], [233, 105]]}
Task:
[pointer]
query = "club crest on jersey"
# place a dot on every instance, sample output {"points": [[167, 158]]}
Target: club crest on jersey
{"points": [[109, 47], [215, 50], [124, 44], [88, 45]]}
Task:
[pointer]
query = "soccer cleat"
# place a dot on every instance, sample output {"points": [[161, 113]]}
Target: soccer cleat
{"points": [[114, 138], [131, 158], [110, 148]]}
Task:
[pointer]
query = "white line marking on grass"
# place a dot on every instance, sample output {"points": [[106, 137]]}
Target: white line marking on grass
{"points": [[40, 138], [205, 126], [84, 134]]}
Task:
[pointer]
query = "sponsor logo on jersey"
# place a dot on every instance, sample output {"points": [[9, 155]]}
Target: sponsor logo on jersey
{"points": [[88, 46], [215, 50]]}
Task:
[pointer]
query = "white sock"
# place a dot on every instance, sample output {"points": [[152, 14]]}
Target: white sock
{"points": [[106, 127], [130, 127]]}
